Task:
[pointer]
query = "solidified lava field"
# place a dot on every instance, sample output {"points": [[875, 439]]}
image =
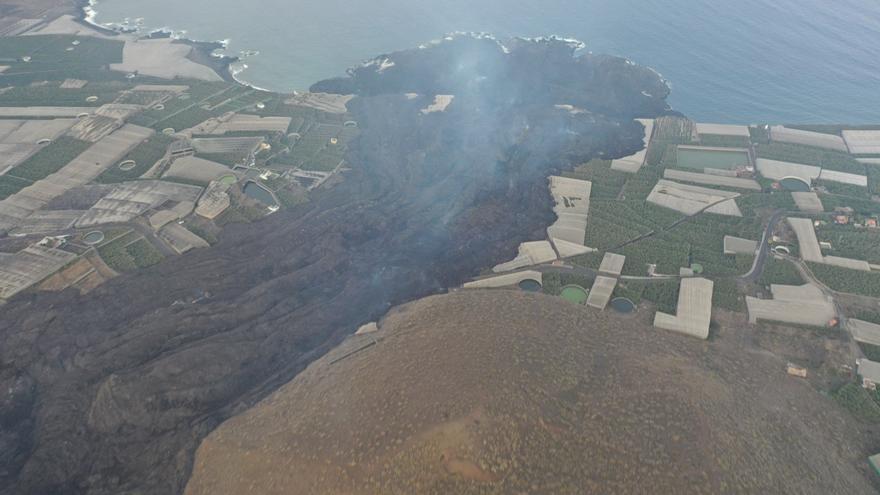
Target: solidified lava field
{"points": [[112, 392]]}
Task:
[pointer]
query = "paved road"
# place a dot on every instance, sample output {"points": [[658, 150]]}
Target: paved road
{"points": [[764, 249]]}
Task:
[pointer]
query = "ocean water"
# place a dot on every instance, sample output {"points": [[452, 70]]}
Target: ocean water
{"points": [[742, 61]]}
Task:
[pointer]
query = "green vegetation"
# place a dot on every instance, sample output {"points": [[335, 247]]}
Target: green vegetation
{"points": [[847, 280], [697, 240], [724, 141], [607, 183], [751, 204], [554, 282], [55, 57], [145, 155], [849, 242], [668, 133], [727, 295], [832, 160], [871, 351], [53, 95], [662, 293], [322, 147], [861, 205], [10, 185], [780, 272], [201, 102], [858, 401], [129, 252], [48, 160]]}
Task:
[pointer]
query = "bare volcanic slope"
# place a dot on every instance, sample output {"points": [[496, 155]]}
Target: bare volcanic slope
{"points": [[506, 392], [113, 391]]}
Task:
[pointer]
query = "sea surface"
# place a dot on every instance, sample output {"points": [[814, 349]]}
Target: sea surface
{"points": [[745, 61]]}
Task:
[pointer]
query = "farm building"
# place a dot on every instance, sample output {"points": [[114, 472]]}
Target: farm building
{"points": [[864, 331], [214, 201], [572, 204], [691, 200], [530, 254], [737, 245], [196, 169], [224, 145], [612, 264], [253, 123], [862, 142], [129, 200], [807, 138], [694, 312], [711, 179], [723, 130], [27, 267], [181, 239], [843, 178], [800, 305], [778, 170], [808, 202], [600, 293], [505, 280], [631, 164], [80, 171]]}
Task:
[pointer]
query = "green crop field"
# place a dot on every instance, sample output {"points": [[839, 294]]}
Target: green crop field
{"points": [[129, 252], [50, 159], [698, 240], [849, 242], [780, 272], [724, 141], [145, 156], [53, 95], [846, 280], [55, 57], [858, 401], [832, 160]]}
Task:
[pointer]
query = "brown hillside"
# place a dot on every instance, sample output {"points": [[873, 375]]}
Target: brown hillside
{"points": [[505, 392]]}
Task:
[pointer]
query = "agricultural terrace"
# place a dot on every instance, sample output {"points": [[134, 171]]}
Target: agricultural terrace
{"points": [[317, 140], [129, 251], [144, 156], [623, 227], [45, 162], [849, 242], [202, 101], [55, 57]]}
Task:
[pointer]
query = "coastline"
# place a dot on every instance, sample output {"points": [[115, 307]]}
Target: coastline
{"points": [[204, 52]]}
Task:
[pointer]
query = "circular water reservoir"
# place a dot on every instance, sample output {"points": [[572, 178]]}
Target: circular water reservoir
{"points": [[623, 305], [228, 179], [574, 293], [168, 131], [794, 185], [94, 237], [92, 99], [127, 165], [44, 141], [530, 285], [781, 250], [697, 268], [158, 106]]}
